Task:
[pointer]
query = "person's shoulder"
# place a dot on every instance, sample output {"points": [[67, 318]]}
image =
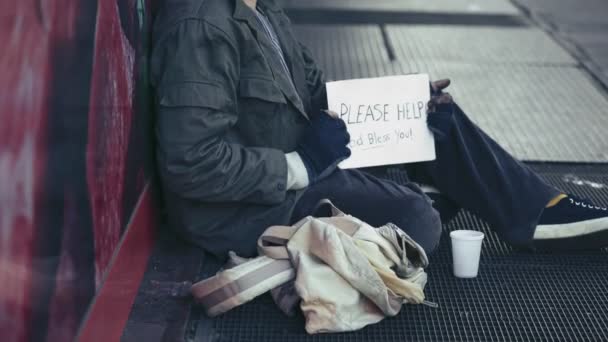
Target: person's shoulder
{"points": [[217, 13]]}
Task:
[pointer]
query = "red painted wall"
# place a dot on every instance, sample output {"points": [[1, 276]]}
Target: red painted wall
{"points": [[74, 154]]}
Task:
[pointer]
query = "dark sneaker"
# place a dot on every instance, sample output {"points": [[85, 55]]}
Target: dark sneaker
{"points": [[572, 223]]}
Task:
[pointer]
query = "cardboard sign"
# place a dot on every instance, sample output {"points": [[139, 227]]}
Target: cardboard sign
{"points": [[386, 119]]}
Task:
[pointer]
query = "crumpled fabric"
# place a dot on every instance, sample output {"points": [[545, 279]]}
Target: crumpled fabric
{"points": [[356, 265], [382, 248]]}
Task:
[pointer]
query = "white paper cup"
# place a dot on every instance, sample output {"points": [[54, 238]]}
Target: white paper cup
{"points": [[466, 249]]}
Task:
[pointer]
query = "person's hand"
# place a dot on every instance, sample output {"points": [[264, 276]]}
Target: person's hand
{"points": [[323, 145], [440, 109], [439, 85], [438, 97]]}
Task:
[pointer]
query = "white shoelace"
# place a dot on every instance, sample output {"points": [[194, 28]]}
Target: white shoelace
{"points": [[585, 205]]}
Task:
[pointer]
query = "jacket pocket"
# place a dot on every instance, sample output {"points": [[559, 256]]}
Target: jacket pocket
{"points": [[262, 108], [193, 94], [259, 88]]}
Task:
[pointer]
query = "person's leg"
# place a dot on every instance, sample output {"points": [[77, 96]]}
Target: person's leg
{"points": [[472, 170], [376, 202], [447, 208]]}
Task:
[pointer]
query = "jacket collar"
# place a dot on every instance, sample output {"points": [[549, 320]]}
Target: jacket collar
{"points": [[245, 13], [242, 11]]}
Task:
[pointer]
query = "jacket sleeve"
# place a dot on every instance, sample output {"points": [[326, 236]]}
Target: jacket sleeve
{"points": [[315, 80], [195, 71]]}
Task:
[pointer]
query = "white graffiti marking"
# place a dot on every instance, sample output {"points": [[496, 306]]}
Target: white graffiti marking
{"points": [[573, 179]]}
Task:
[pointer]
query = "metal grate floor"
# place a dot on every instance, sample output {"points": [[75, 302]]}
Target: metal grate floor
{"points": [[443, 6], [518, 296], [530, 102], [478, 45]]}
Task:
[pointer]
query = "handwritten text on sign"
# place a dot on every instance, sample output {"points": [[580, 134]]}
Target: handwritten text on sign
{"points": [[386, 119]]}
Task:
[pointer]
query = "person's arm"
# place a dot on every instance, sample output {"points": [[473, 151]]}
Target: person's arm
{"points": [[315, 80], [195, 68]]}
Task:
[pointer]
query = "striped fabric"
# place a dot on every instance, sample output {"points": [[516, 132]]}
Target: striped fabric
{"points": [[274, 40], [240, 284]]}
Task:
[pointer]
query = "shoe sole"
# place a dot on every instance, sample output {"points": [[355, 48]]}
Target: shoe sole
{"points": [[583, 235], [570, 230]]}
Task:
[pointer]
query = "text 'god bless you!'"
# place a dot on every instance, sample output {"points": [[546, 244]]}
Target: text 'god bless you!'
{"points": [[358, 114]]}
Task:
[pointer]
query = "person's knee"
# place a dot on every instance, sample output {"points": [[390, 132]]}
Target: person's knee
{"points": [[432, 221], [447, 208], [421, 222]]}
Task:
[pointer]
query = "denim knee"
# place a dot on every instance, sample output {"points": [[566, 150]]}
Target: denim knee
{"points": [[421, 221]]}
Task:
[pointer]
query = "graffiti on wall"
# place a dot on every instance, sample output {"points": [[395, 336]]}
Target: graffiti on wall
{"points": [[73, 154]]}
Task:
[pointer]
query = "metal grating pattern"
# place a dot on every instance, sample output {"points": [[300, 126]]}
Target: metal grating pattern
{"points": [[443, 6], [352, 47], [518, 296], [535, 111], [590, 14], [347, 51], [584, 33], [477, 45]]}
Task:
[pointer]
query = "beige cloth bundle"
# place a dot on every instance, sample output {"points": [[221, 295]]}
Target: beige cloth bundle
{"points": [[347, 273]]}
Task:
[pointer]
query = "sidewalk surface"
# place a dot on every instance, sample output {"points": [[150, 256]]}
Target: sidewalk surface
{"points": [[450, 6], [581, 25], [514, 70]]}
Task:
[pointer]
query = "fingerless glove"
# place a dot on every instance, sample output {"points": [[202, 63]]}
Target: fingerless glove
{"points": [[323, 146]]}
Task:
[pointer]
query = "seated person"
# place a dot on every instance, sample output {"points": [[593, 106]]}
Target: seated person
{"points": [[243, 143]]}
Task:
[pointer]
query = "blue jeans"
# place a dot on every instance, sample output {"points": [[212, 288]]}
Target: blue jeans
{"points": [[471, 171]]}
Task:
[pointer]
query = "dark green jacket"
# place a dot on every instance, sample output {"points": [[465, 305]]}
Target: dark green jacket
{"points": [[226, 116]]}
